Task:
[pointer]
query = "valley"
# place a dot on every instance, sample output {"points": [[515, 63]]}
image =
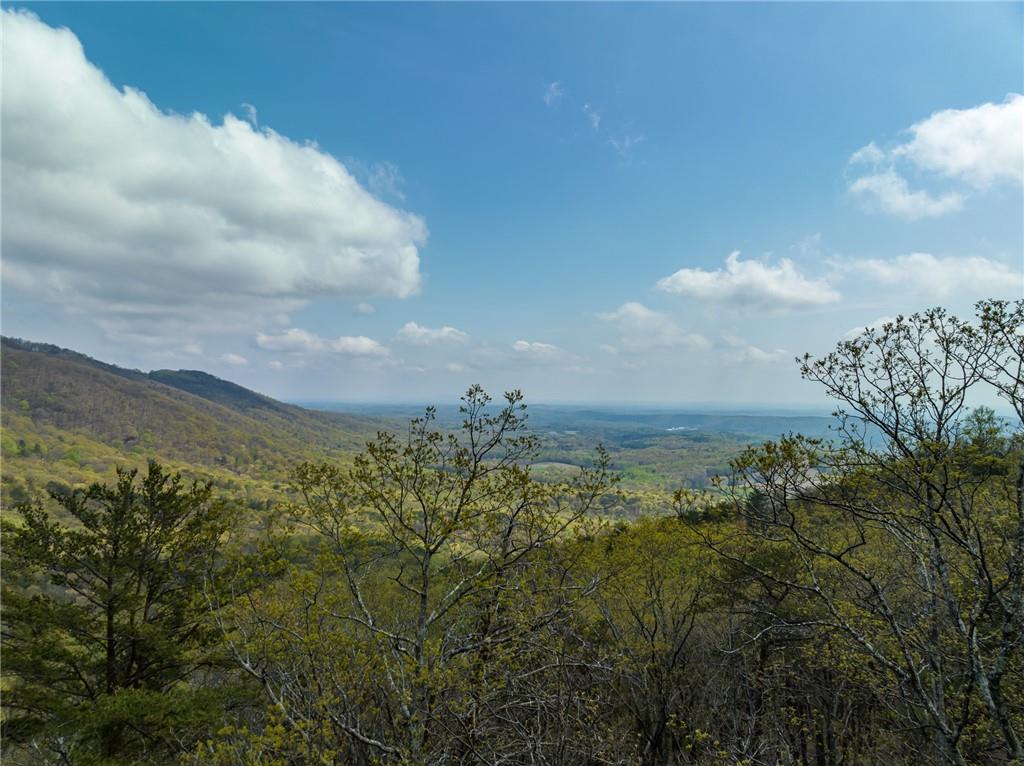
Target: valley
{"points": [[70, 420]]}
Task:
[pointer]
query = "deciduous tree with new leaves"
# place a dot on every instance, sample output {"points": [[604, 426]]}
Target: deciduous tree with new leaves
{"points": [[427, 586], [905, 536]]}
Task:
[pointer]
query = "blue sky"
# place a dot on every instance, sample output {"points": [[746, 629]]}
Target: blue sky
{"points": [[525, 195]]}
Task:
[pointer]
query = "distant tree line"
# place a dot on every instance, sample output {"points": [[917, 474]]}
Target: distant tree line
{"points": [[858, 600]]}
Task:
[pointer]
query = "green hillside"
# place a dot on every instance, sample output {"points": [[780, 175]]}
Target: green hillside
{"points": [[69, 419]]}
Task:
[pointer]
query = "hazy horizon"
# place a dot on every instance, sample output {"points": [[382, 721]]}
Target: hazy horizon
{"points": [[753, 408]]}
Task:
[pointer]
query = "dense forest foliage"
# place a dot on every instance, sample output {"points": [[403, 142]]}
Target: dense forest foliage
{"points": [[851, 600], [70, 419]]}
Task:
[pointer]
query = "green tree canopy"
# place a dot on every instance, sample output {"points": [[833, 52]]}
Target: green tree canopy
{"points": [[102, 623]]}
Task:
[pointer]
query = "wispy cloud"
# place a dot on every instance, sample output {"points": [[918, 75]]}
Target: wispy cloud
{"points": [[593, 116], [297, 340], [536, 350], [386, 180], [553, 93], [235, 360], [938, 277], [738, 350], [250, 114], [418, 335], [889, 192], [624, 143], [641, 328]]}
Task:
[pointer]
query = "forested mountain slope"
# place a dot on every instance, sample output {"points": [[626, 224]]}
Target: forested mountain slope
{"points": [[80, 415]]}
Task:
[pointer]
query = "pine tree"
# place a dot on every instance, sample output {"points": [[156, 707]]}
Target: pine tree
{"points": [[105, 632]]}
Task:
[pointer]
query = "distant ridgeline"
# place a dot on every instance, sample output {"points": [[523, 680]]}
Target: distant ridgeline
{"points": [[611, 419], [71, 419], [201, 384]]}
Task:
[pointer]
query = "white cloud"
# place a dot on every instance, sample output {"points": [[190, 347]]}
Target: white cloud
{"points": [[975, 148], [553, 93], [428, 336], [297, 340], [275, 365], [641, 328], [869, 154], [889, 192], [235, 360], [358, 345], [158, 225], [294, 339], [536, 350], [593, 116], [753, 284], [940, 277], [455, 367], [876, 324], [738, 350], [980, 146], [363, 309], [757, 355]]}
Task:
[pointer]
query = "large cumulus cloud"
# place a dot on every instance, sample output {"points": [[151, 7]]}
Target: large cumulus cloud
{"points": [[154, 223]]}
